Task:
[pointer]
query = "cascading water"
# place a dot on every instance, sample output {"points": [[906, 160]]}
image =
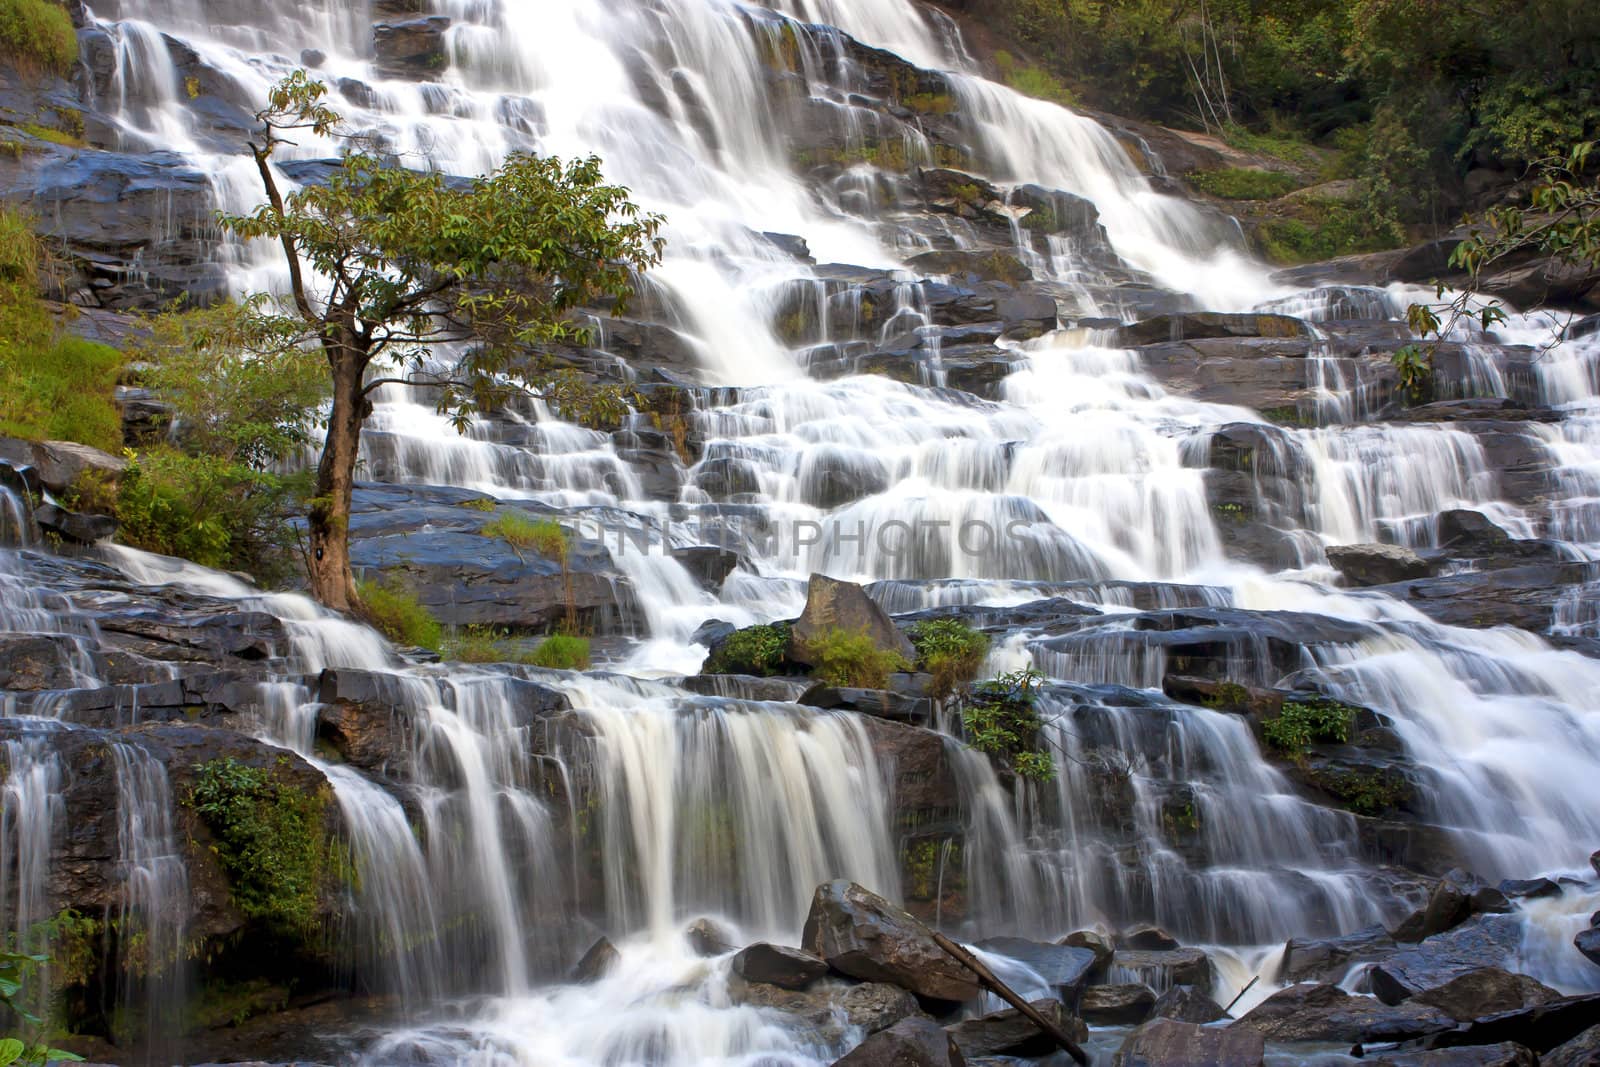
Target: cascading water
{"points": [[1084, 483]]}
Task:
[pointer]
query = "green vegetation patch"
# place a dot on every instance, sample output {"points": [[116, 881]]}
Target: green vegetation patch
{"points": [[1001, 720], [38, 35], [761, 651], [851, 659], [1241, 183], [562, 652], [950, 650], [1301, 724], [543, 536], [1324, 229], [398, 614], [271, 839], [1030, 80]]}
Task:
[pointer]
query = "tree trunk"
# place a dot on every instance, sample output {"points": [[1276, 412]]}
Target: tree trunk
{"points": [[332, 582]]}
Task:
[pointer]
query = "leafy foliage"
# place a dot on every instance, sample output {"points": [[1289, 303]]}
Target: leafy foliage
{"points": [[38, 34], [761, 651], [1001, 720], [950, 650], [562, 652], [852, 658], [15, 968], [1300, 725], [397, 614], [270, 839]]}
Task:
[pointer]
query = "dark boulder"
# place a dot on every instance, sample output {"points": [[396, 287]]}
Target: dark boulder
{"points": [[1164, 969], [1482, 941], [1328, 959], [964, 263], [1486, 991], [835, 605], [1505, 1054], [1457, 897], [863, 935], [1145, 937], [1169, 1043], [1116, 1005], [881, 703], [597, 962], [1095, 942], [1588, 943], [1187, 1005], [414, 48], [1064, 968], [828, 1006], [709, 564], [1364, 565], [709, 938], [1541, 1027], [1314, 1012], [778, 965], [908, 1043], [1581, 1051], [1202, 325], [1010, 1033]]}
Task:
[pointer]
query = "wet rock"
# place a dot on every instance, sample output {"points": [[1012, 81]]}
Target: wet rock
{"points": [[778, 965], [1529, 888], [1588, 943], [1315, 1012], [1581, 1051], [709, 938], [880, 703], [1486, 991], [829, 1005], [414, 48], [58, 464], [835, 605], [724, 478], [1010, 1033], [1201, 325], [863, 935], [908, 1043], [1163, 970], [1146, 937], [596, 963], [1540, 1027], [1523, 596], [833, 477], [1329, 959], [1364, 565], [1065, 968], [709, 565], [32, 663], [1169, 1043], [1505, 1054], [747, 687], [1095, 942], [1187, 1005], [958, 263], [1457, 897], [1116, 1005], [1482, 941]]}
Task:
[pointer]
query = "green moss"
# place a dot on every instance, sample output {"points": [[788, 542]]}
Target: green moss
{"points": [[38, 34], [562, 652], [929, 103], [399, 616], [1365, 792], [932, 867], [950, 650], [756, 650], [482, 503], [1240, 183], [271, 840], [1034, 81], [1324, 229], [852, 659], [1286, 416], [1229, 696]]}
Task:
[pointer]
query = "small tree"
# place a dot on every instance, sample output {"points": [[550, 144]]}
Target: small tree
{"points": [[1562, 221], [387, 263]]}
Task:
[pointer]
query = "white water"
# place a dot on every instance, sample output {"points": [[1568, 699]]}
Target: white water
{"points": [[735, 809]]}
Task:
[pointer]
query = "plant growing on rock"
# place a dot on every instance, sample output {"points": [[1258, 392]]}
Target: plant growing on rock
{"points": [[1301, 724], [853, 659], [398, 615], [562, 652], [38, 34], [15, 968], [544, 536], [950, 650], [386, 262], [756, 650], [1001, 719]]}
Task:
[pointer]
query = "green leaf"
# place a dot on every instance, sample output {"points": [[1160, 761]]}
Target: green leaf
{"points": [[11, 1050]]}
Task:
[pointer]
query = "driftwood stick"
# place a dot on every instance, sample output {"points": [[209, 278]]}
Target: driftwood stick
{"points": [[1249, 986], [1004, 992]]}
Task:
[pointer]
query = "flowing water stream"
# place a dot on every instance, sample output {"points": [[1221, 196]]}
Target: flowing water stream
{"points": [[1080, 482]]}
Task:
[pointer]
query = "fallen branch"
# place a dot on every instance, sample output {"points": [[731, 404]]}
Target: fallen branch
{"points": [[1248, 986], [1004, 992]]}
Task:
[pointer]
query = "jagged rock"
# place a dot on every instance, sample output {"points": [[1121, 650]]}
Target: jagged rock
{"points": [[778, 965], [1147, 938], [1529, 888], [881, 703], [863, 935], [1187, 1005], [1581, 1051], [1162, 970], [1328, 959], [1457, 897], [725, 478], [597, 962], [1116, 1005], [1540, 1027], [1169, 1043], [835, 605], [414, 48], [1482, 941], [1588, 943], [1203, 325], [1095, 942], [1314, 1012], [1486, 991], [829, 1005], [1505, 1054], [709, 938], [1065, 968], [58, 464], [908, 1043], [30, 663], [988, 266], [709, 565], [1364, 565], [1010, 1033]]}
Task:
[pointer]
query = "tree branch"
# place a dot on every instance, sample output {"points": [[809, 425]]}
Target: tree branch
{"points": [[297, 283]]}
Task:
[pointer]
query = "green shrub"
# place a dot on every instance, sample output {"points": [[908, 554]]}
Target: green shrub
{"points": [[484, 644], [950, 650], [544, 536], [562, 652], [1300, 725], [1034, 81], [1239, 183], [853, 660], [761, 651], [219, 514], [271, 840], [1000, 720], [1333, 228], [38, 34], [398, 615]]}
